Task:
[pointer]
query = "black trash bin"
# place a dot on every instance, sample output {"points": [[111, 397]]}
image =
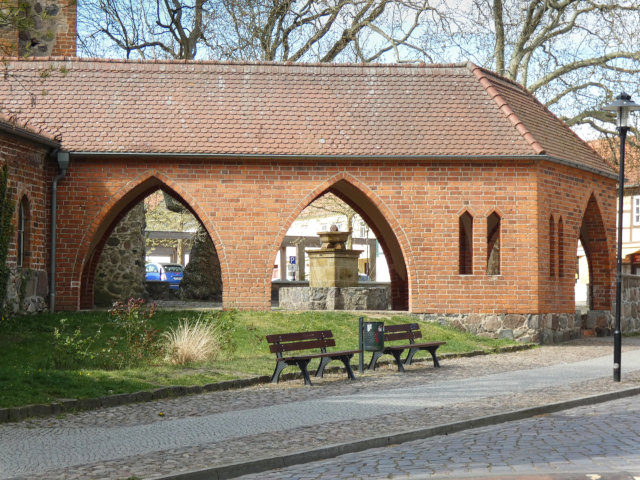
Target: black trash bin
{"points": [[373, 336]]}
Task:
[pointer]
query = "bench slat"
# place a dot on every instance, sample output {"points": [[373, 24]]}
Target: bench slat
{"points": [[413, 345], [303, 345], [401, 328], [318, 355], [290, 337]]}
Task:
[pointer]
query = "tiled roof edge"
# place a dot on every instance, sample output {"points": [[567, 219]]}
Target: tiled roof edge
{"points": [[249, 156], [489, 73], [11, 124], [326, 65], [483, 77]]}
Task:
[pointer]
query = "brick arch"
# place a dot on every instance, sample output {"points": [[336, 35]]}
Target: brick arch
{"points": [[380, 219], [94, 238], [594, 240]]}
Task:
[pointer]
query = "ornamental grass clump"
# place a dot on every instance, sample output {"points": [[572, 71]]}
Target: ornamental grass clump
{"points": [[192, 342]]}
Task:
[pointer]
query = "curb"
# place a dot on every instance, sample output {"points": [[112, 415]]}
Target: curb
{"points": [[270, 463], [43, 410]]}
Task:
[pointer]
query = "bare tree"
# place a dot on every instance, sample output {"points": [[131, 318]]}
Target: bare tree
{"points": [[284, 30], [331, 206], [572, 54], [142, 28]]}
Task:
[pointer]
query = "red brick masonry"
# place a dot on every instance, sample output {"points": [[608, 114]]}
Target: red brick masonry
{"points": [[248, 146]]}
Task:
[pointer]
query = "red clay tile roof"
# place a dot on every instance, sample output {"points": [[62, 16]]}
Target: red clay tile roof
{"points": [[286, 109], [14, 124]]}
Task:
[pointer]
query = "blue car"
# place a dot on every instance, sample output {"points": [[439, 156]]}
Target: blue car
{"points": [[165, 272]]}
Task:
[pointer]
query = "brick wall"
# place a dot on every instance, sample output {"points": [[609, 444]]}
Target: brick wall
{"points": [[414, 209], [66, 24], [28, 178], [578, 202]]}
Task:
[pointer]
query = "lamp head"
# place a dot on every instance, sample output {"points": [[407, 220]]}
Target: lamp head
{"points": [[622, 106]]}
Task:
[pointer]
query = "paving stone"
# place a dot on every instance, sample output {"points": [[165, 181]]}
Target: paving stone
{"points": [[141, 442]]}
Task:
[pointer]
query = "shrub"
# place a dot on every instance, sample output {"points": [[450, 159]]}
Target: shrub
{"points": [[135, 341], [72, 348], [192, 342]]}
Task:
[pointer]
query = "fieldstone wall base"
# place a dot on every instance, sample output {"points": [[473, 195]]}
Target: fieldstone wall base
{"points": [[27, 291], [202, 276], [544, 328], [599, 322], [120, 274], [630, 313], [335, 298]]}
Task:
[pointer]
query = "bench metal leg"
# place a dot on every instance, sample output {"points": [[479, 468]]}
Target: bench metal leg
{"points": [[346, 359], [374, 359], [409, 359], [324, 361], [302, 364], [276, 373], [432, 351], [396, 355]]}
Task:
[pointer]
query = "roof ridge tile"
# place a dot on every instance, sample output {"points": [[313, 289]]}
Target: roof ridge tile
{"points": [[506, 110]]}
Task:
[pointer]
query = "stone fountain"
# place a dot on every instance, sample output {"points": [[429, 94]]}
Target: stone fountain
{"points": [[333, 265], [333, 280]]}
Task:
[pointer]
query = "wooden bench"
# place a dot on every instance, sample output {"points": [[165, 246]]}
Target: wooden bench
{"points": [[406, 331], [290, 342]]}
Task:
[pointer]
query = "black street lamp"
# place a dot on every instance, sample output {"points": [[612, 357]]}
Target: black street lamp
{"points": [[623, 105]]}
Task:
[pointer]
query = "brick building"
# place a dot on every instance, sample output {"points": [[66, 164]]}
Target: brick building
{"points": [[26, 150], [477, 193]]}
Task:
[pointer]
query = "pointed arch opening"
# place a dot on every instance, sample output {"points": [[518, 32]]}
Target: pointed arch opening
{"points": [[599, 266], [23, 231], [493, 244], [150, 244], [561, 272], [465, 244], [552, 247], [350, 210]]}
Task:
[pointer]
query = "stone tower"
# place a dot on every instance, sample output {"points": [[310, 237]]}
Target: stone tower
{"points": [[39, 28]]}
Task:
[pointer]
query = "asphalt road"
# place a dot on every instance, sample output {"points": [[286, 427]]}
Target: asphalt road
{"points": [[597, 442]]}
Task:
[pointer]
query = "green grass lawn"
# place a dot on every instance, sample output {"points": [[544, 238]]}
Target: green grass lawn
{"points": [[30, 372]]}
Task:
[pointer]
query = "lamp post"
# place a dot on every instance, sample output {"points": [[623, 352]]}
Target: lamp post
{"points": [[622, 106]]}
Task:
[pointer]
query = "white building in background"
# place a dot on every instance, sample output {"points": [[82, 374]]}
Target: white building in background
{"points": [[303, 236]]}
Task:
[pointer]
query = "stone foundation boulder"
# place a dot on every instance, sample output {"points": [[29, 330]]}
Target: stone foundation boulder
{"points": [[335, 298], [120, 275], [202, 278]]}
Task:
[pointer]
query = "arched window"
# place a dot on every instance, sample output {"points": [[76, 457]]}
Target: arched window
{"points": [[465, 246], [23, 232], [493, 244], [552, 247], [560, 248]]}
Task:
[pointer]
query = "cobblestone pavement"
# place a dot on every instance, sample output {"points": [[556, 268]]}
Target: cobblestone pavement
{"points": [[591, 440], [219, 428]]}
